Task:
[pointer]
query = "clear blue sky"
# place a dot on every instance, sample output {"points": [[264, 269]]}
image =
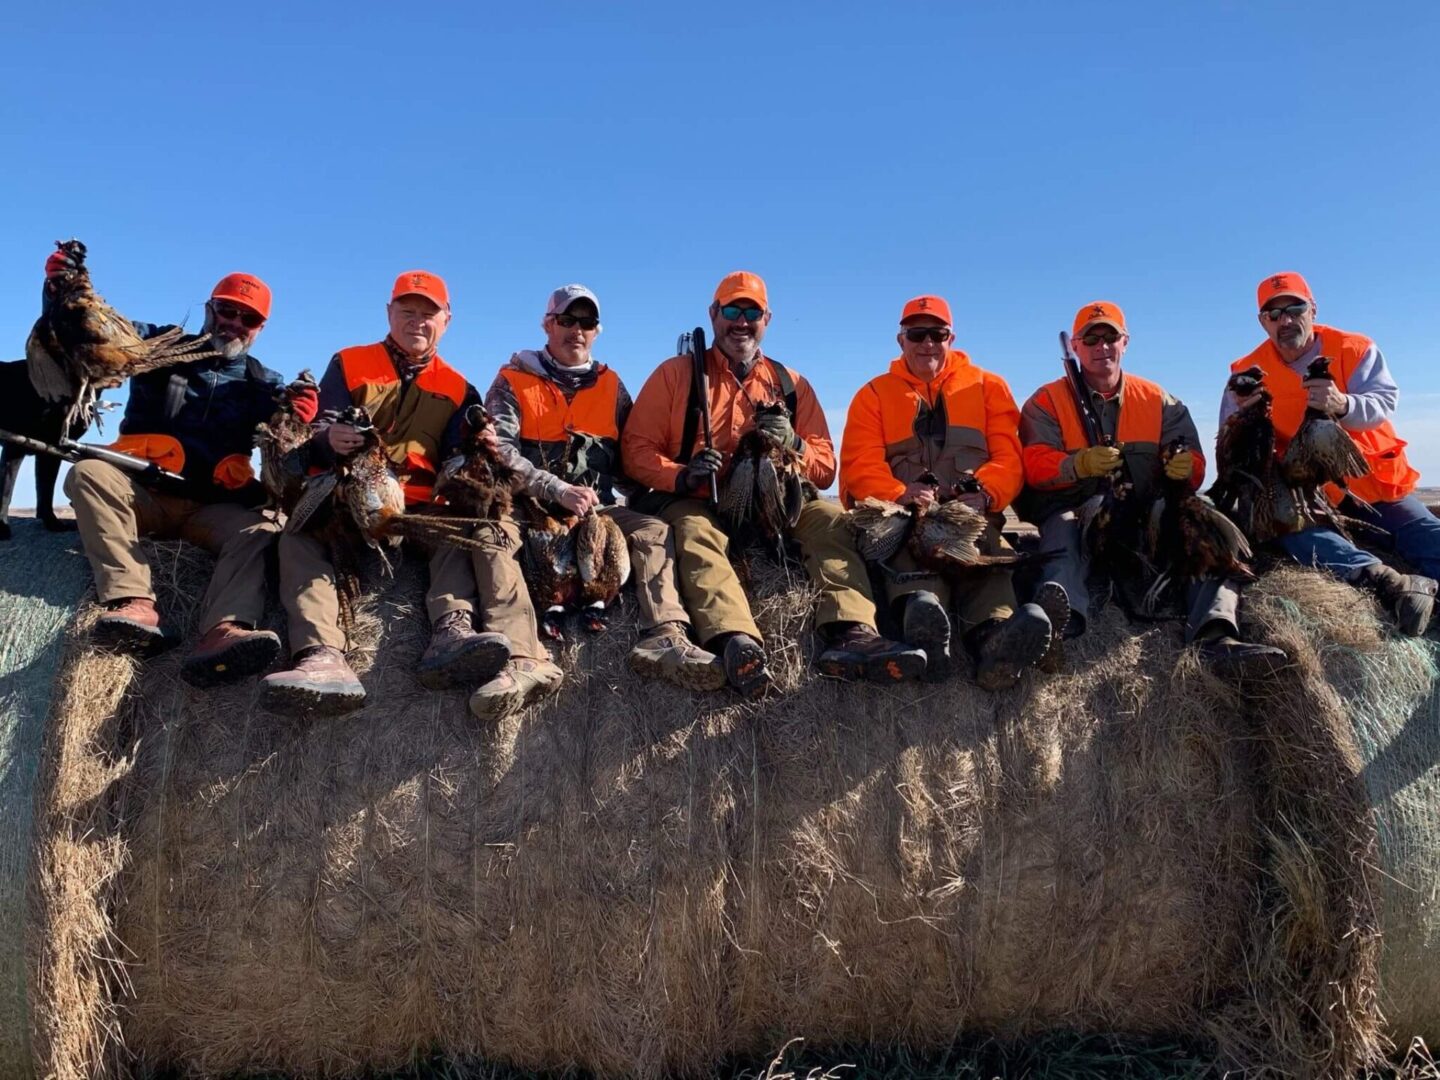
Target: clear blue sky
{"points": [[1018, 158]]}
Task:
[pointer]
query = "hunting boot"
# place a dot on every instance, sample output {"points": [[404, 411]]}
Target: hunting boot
{"points": [[1409, 597], [743, 659], [925, 624], [228, 652], [320, 683], [666, 652], [1053, 600], [521, 683], [132, 626], [1004, 648], [1230, 658], [856, 651], [458, 656]]}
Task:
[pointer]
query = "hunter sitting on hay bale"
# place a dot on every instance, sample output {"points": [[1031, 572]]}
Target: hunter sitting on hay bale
{"points": [[633, 878]]}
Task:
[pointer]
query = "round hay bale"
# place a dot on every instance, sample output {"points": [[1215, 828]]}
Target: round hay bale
{"points": [[638, 880]]}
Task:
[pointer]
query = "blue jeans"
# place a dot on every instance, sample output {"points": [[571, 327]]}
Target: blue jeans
{"points": [[1414, 530]]}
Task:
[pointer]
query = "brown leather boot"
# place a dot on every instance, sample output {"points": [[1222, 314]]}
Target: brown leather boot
{"points": [[320, 683], [667, 652], [458, 656], [228, 652], [132, 626], [858, 652]]}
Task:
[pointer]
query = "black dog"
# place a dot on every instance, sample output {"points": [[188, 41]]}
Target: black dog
{"points": [[24, 412]]}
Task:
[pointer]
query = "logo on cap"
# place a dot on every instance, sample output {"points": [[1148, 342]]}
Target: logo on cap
{"points": [[1279, 281], [244, 287], [1097, 311], [417, 280], [923, 305]]}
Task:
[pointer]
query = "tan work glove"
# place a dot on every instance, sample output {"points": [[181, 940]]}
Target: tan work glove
{"points": [[1180, 466], [1096, 461]]}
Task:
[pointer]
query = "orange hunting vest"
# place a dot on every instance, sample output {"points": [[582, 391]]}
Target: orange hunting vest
{"points": [[1391, 475], [412, 422], [576, 439]]}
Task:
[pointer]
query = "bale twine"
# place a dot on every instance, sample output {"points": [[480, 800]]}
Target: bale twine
{"points": [[42, 578], [638, 880]]}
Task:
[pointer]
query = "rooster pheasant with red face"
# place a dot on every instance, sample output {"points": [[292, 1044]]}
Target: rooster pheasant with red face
{"points": [[80, 345], [1322, 452]]}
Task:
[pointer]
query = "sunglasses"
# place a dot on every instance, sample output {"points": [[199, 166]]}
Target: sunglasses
{"points": [[1293, 310], [734, 311], [585, 322], [1101, 337], [251, 320], [937, 334]]}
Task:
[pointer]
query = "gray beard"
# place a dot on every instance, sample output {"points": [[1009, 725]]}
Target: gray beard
{"points": [[231, 349]]}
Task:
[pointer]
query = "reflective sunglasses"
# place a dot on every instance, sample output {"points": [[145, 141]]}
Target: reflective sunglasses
{"points": [[585, 322], [1293, 310], [251, 320], [734, 311], [1099, 337], [937, 334]]}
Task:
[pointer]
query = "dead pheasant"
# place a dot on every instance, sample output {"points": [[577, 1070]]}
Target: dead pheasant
{"points": [[573, 565], [283, 441], [475, 483], [766, 488], [944, 537], [80, 345], [1188, 540], [1322, 452], [1252, 487]]}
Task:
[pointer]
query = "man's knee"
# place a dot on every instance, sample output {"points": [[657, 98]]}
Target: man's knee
{"points": [[695, 531], [89, 477], [820, 517]]}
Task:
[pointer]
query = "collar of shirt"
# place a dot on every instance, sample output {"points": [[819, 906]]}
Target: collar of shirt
{"points": [[406, 366]]}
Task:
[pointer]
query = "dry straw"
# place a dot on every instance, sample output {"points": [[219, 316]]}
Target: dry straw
{"points": [[644, 881]]}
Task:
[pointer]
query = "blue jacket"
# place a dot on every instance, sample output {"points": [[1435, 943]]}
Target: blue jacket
{"points": [[211, 408]]}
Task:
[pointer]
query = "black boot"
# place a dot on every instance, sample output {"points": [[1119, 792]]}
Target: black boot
{"points": [[1005, 648], [1409, 597], [925, 624]]}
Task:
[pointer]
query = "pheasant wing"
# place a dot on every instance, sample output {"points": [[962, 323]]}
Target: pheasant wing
{"points": [[880, 528], [317, 495]]}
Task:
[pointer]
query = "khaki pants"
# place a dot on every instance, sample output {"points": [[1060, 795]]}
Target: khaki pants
{"points": [[1211, 600], [487, 581], [652, 565], [713, 594], [113, 513], [976, 596]]}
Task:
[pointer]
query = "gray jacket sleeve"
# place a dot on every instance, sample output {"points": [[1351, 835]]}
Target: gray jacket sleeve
{"points": [[1176, 423], [1038, 426], [504, 411], [1372, 394]]}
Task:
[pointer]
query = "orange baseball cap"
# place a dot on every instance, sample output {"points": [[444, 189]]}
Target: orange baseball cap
{"points": [[1101, 311], [246, 289], [742, 285], [927, 305], [1286, 283], [421, 283]]}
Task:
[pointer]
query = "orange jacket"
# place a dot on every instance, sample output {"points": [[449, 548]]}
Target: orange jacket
{"points": [[411, 423], [651, 439], [1391, 475], [882, 452]]}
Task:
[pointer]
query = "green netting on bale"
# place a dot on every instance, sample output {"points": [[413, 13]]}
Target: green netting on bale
{"points": [[1392, 697], [42, 578]]}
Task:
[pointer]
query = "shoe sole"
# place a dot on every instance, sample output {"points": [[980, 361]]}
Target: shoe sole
{"points": [[686, 676], [1051, 598], [748, 674], [306, 701], [248, 657], [476, 666], [495, 707], [1023, 644], [896, 668], [131, 638], [927, 626]]}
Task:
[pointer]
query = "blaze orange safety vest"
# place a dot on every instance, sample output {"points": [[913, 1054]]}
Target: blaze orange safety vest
{"points": [[1391, 475], [576, 439], [1138, 429], [411, 422]]}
